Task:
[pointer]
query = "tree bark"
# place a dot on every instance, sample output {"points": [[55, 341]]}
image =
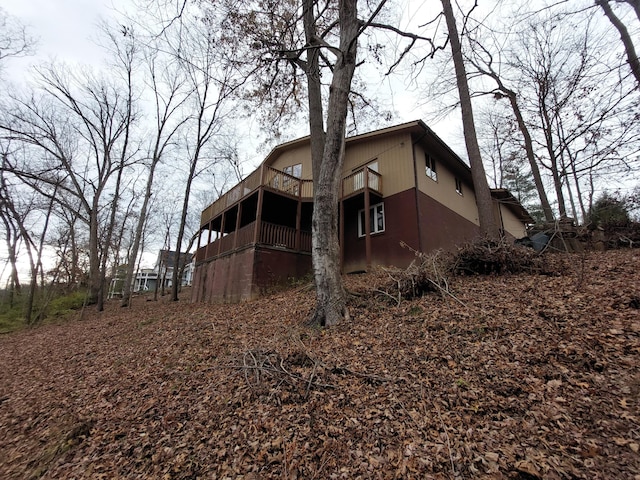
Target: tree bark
{"points": [[528, 145], [486, 217], [331, 305], [632, 57]]}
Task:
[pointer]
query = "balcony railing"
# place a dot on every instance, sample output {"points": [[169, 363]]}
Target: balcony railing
{"points": [[270, 234], [265, 175], [361, 179]]}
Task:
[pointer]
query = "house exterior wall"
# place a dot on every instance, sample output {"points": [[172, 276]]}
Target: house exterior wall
{"points": [[300, 154], [247, 273], [443, 190], [278, 266], [225, 279], [442, 227], [393, 153], [510, 223], [400, 226]]}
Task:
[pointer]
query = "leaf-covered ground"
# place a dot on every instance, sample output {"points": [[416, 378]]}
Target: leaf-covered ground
{"points": [[534, 377]]}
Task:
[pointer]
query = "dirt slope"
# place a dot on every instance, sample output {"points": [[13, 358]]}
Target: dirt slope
{"points": [[535, 377]]}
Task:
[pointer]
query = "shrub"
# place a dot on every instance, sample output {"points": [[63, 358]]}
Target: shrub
{"points": [[67, 303]]}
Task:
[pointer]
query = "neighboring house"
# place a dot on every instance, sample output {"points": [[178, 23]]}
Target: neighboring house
{"points": [[147, 278], [415, 189], [166, 262]]}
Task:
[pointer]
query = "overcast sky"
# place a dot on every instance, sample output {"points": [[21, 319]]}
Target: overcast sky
{"points": [[65, 29]]}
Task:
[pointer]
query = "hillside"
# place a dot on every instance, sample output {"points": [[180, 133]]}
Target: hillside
{"points": [[520, 376]]}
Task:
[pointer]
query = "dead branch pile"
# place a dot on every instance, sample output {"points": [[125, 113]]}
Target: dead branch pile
{"points": [[427, 273], [291, 377], [433, 272], [488, 257]]}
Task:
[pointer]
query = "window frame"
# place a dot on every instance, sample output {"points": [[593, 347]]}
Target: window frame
{"points": [[374, 224], [430, 168], [293, 170], [458, 186]]}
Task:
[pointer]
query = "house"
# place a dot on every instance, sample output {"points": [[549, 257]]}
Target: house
{"points": [[166, 263], [399, 184], [146, 279]]}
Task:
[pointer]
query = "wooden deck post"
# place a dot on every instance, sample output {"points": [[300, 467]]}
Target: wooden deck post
{"points": [[298, 219], [256, 231], [367, 218], [238, 217], [221, 233]]}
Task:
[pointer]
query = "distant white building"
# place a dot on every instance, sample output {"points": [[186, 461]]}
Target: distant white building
{"points": [[146, 279]]}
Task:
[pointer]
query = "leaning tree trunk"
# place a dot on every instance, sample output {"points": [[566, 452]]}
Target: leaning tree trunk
{"points": [[632, 57], [330, 294], [488, 226], [528, 145], [131, 264]]}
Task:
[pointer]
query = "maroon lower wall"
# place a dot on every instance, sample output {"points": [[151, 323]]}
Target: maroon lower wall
{"points": [[440, 227], [400, 226], [276, 266], [225, 279], [245, 274]]}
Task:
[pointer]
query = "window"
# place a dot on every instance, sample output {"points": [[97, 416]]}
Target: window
{"points": [[294, 170], [431, 168], [288, 184], [458, 186], [376, 219]]}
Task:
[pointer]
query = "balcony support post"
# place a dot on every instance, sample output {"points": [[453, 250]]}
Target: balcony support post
{"points": [[367, 224], [221, 233], [256, 232], [238, 217]]}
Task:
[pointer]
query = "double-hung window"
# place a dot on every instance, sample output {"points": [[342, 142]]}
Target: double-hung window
{"points": [[376, 219]]}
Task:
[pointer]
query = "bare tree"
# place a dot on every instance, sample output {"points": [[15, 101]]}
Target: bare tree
{"points": [[167, 84], [625, 36], [15, 41], [211, 83], [488, 225]]}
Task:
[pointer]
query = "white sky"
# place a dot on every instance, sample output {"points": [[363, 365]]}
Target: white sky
{"points": [[65, 29]]}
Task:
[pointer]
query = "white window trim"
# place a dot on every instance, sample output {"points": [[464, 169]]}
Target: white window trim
{"points": [[374, 225]]}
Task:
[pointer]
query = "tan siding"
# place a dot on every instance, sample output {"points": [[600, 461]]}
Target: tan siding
{"points": [[394, 161], [444, 189], [510, 222], [301, 154]]}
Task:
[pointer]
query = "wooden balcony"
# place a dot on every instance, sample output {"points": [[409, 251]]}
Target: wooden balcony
{"points": [[361, 179], [270, 234], [265, 176]]}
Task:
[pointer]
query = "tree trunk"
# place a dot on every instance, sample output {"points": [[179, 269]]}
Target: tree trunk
{"points": [[486, 217], [131, 264], [632, 57], [330, 294], [528, 145], [314, 87]]}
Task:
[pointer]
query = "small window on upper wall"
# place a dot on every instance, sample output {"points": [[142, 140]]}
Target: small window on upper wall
{"points": [[458, 186], [430, 169]]}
